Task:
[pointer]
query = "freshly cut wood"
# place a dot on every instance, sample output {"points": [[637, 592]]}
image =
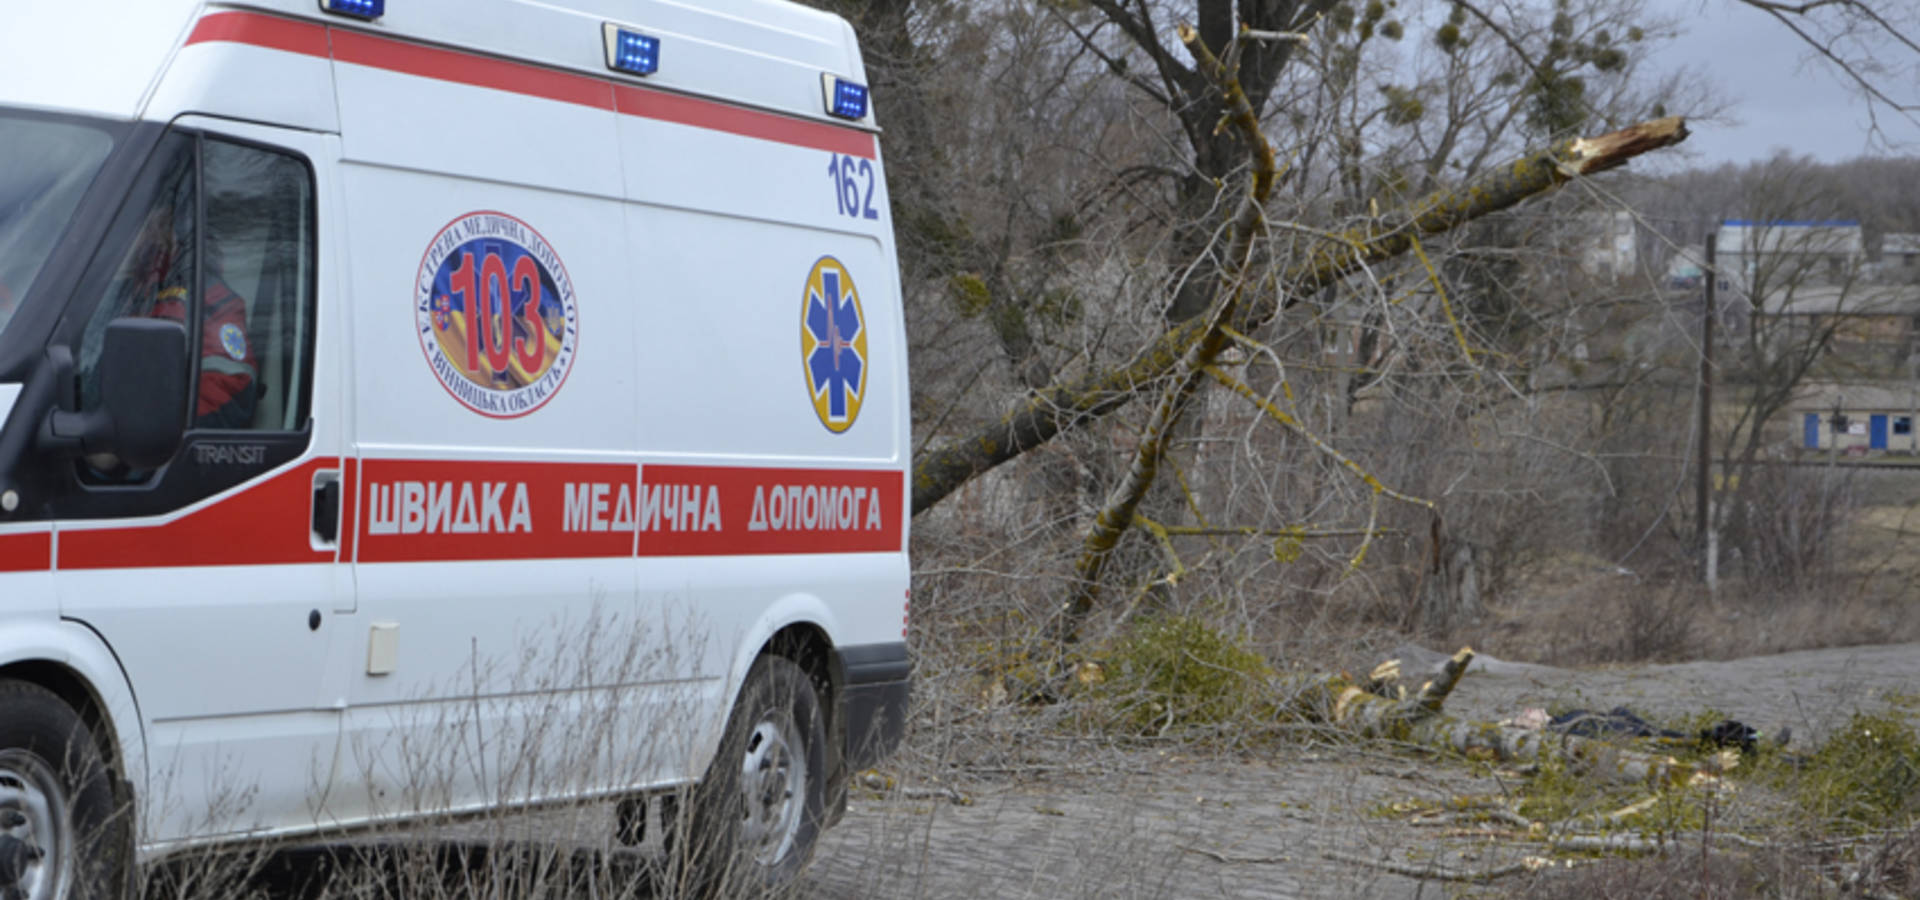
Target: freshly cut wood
{"points": [[1367, 710]]}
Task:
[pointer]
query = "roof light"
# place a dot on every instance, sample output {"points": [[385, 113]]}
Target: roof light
{"points": [[359, 9], [630, 51], [845, 99]]}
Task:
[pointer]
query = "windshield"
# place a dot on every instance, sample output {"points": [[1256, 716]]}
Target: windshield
{"points": [[45, 167]]}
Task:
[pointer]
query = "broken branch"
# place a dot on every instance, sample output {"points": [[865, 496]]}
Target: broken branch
{"points": [[1121, 507], [1417, 719], [939, 472]]}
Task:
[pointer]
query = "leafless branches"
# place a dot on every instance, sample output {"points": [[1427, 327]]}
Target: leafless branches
{"points": [[1878, 52]]}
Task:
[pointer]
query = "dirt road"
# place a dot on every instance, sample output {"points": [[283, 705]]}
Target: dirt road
{"points": [[1154, 824], [1068, 821]]}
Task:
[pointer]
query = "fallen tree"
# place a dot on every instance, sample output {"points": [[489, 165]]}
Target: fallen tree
{"points": [[1379, 707], [1494, 799]]}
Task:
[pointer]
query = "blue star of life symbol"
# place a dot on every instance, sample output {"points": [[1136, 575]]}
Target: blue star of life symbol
{"points": [[834, 321]]}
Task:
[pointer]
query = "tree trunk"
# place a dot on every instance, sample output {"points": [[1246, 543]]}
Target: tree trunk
{"points": [[1451, 593], [1380, 708]]}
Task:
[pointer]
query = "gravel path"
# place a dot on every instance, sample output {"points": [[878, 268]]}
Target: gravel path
{"points": [[1298, 823], [1156, 825]]}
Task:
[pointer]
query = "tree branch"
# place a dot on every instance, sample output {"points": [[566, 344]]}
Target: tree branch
{"points": [[1120, 511], [1839, 63], [1782, 10], [1065, 405], [1114, 64], [1178, 78]]}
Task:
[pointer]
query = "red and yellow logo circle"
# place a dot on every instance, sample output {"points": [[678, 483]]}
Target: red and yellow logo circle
{"points": [[496, 314]]}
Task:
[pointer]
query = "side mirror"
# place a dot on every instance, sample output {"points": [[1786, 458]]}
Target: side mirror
{"points": [[143, 396]]}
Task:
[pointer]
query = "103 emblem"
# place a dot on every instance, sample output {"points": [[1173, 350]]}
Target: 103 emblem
{"points": [[496, 315]]}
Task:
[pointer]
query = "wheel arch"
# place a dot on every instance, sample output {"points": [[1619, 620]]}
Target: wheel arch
{"points": [[800, 629], [807, 645], [73, 662], [78, 694]]}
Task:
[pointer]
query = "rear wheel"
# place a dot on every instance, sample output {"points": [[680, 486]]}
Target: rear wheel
{"points": [[60, 836], [757, 815]]}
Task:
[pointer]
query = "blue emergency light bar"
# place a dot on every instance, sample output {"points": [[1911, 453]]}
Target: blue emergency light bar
{"points": [[359, 9], [845, 99], [630, 51]]}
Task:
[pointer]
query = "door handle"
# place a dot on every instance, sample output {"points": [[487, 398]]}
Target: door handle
{"points": [[326, 509]]}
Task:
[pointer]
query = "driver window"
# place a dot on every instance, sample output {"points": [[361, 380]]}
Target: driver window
{"points": [[257, 306], [222, 242]]}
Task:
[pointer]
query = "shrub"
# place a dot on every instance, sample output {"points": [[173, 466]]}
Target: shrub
{"points": [[1866, 776], [1169, 672]]}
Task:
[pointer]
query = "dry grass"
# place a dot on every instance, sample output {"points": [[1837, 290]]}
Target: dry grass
{"points": [[1570, 609], [528, 739], [994, 706]]}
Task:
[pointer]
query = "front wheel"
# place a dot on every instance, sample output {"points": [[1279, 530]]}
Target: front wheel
{"points": [[757, 815], [60, 835]]}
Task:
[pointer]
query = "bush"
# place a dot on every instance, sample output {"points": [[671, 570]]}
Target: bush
{"points": [[1866, 776], [1170, 672]]}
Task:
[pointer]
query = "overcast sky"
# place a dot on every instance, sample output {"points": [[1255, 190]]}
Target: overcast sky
{"points": [[1779, 97]]}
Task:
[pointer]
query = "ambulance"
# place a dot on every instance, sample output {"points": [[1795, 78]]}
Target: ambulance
{"points": [[424, 408]]}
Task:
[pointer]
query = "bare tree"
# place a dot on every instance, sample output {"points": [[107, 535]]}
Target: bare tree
{"points": [[1794, 289], [1094, 211], [1872, 45]]}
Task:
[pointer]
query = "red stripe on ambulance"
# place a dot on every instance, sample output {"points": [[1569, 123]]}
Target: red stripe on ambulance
{"points": [[30, 551], [683, 110], [470, 69], [271, 32], [751, 510], [477, 70], [268, 523], [416, 511], [419, 510]]}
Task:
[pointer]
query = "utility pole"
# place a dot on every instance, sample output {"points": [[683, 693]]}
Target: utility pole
{"points": [[1703, 496]]}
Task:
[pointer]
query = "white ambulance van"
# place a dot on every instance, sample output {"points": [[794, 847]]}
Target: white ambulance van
{"points": [[423, 407]]}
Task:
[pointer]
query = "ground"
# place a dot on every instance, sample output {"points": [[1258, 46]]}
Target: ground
{"points": [[1058, 817], [1154, 822]]}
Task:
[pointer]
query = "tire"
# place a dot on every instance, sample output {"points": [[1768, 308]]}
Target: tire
{"points": [[757, 815], [62, 836]]}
